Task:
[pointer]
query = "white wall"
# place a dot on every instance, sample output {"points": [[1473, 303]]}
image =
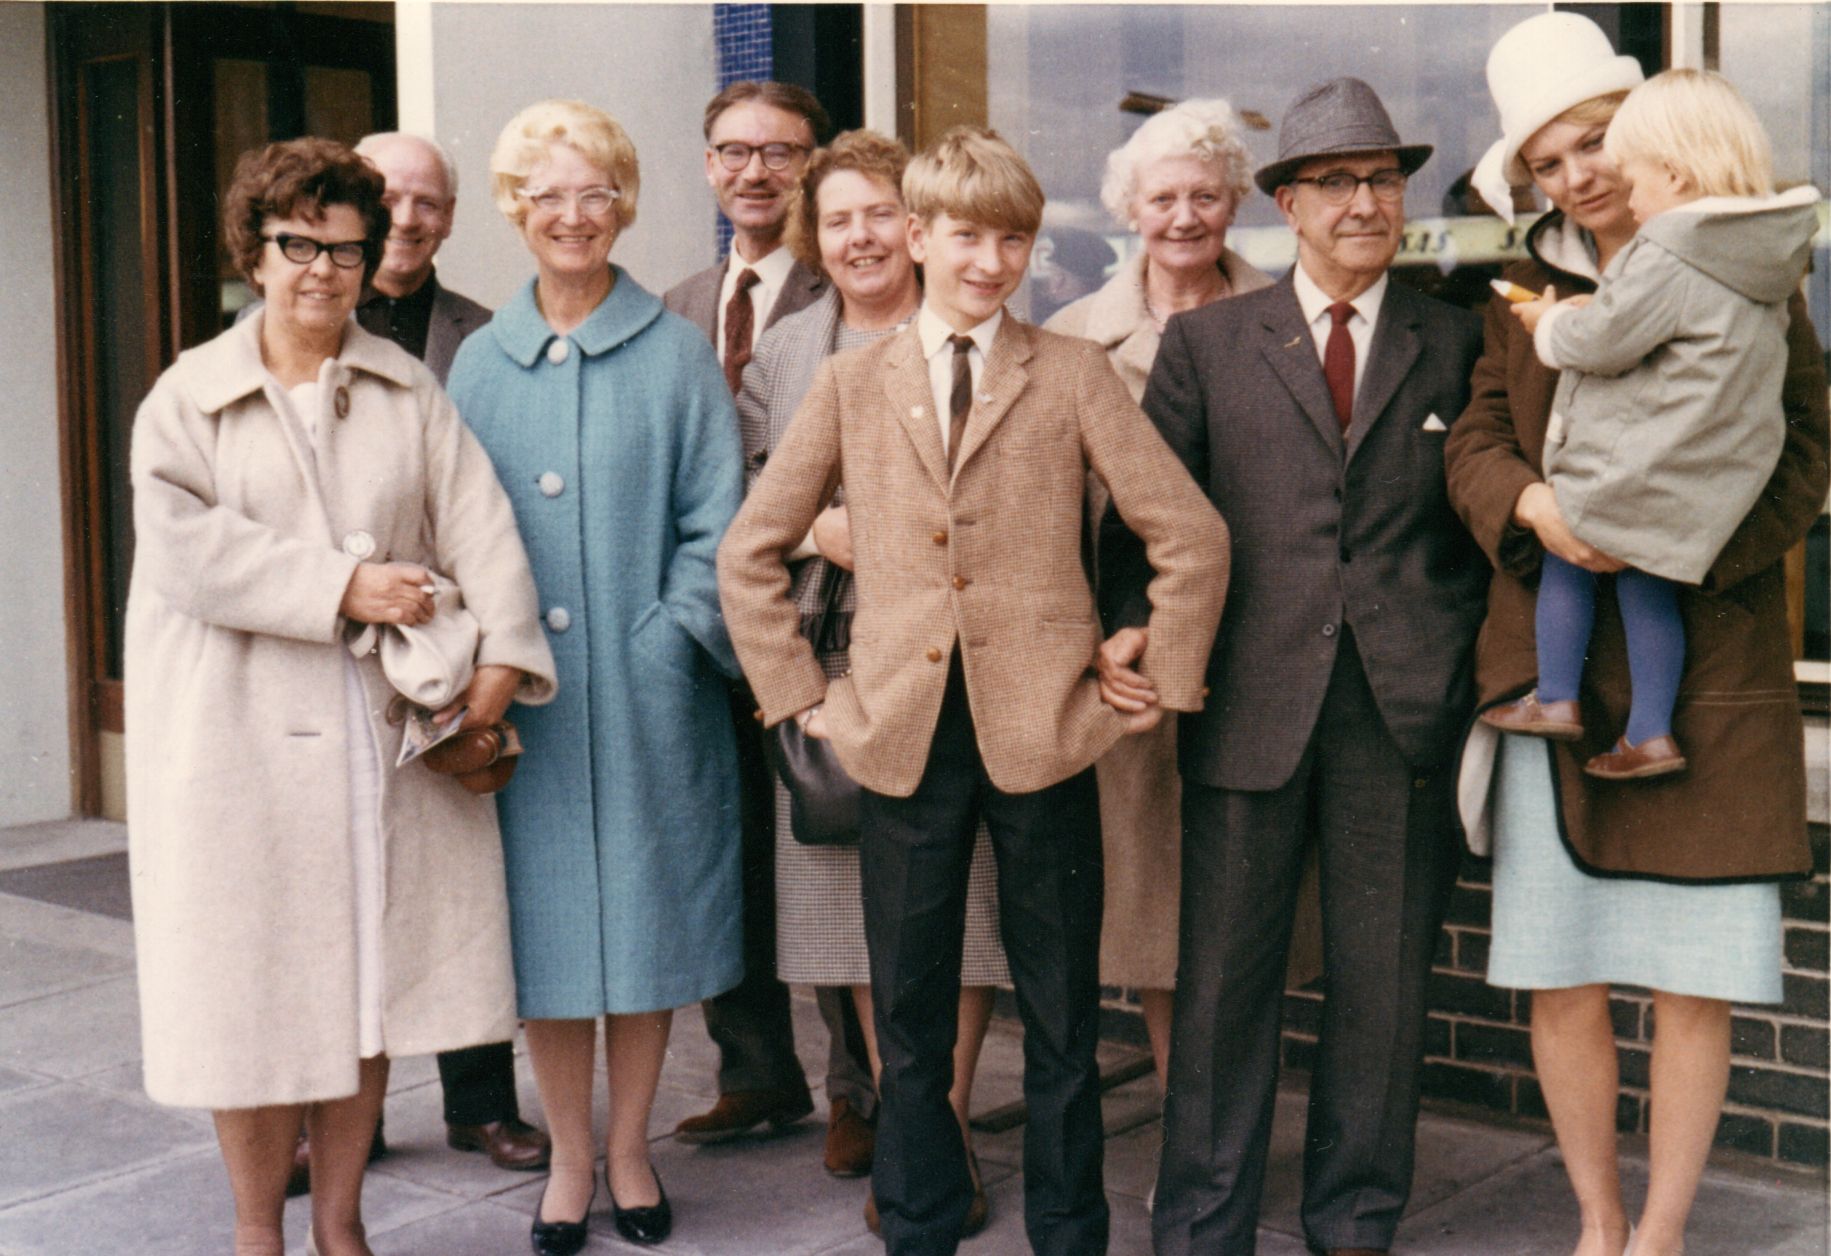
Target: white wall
{"points": [[34, 712], [652, 67]]}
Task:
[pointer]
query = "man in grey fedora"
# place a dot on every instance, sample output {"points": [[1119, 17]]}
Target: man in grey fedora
{"points": [[1314, 413]]}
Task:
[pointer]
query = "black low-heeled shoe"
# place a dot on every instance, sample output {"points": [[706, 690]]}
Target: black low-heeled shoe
{"points": [[561, 1238], [647, 1226]]}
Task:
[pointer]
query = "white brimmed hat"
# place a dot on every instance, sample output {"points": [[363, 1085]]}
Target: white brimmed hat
{"points": [[1537, 70]]}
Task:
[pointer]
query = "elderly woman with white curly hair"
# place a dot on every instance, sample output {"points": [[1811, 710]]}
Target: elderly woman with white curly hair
{"points": [[1176, 183]]}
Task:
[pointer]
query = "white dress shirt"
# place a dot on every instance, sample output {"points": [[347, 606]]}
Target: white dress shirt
{"points": [[1315, 304], [934, 331], [772, 277]]}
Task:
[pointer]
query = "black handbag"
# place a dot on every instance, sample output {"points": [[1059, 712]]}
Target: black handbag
{"points": [[822, 799]]}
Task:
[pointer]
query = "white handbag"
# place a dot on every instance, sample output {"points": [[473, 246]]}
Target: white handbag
{"points": [[430, 664]]}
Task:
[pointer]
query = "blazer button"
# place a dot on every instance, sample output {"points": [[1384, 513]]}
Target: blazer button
{"points": [[960, 582], [757, 716], [1206, 691], [559, 619], [939, 538], [552, 483], [934, 654], [358, 544], [1328, 630], [1347, 555]]}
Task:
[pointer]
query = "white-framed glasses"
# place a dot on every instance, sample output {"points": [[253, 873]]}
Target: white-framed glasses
{"points": [[593, 202]]}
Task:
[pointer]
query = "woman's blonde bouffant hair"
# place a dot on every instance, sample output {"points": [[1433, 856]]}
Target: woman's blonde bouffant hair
{"points": [[866, 152], [595, 134], [1697, 125]]}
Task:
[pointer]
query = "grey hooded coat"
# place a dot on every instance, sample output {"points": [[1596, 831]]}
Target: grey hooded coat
{"points": [[1667, 420]]}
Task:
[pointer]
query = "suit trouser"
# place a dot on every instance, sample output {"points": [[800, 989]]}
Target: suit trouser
{"points": [[1388, 860], [914, 857], [479, 1084], [751, 1022]]}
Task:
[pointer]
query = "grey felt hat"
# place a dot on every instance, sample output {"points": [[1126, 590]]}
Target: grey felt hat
{"points": [[1340, 117]]}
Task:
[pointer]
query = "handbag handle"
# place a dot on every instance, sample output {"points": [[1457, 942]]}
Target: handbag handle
{"points": [[828, 629]]}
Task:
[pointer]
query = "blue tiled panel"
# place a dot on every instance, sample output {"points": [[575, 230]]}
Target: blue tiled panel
{"points": [[741, 32]]}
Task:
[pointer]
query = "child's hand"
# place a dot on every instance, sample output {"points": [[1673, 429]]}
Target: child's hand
{"points": [[1577, 302], [1530, 312]]}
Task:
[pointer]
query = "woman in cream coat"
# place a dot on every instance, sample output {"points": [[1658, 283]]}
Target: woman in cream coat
{"points": [[1176, 183], [302, 910]]}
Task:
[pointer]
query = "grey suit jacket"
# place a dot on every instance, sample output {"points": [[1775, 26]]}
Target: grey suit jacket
{"points": [[695, 298], [454, 316], [1326, 533]]}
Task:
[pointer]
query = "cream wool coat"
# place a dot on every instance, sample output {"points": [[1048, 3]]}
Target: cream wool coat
{"points": [[237, 777]]}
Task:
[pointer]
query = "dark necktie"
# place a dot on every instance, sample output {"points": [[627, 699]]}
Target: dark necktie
{"points": [[740, 317], [1338, 363], [960, 399]]}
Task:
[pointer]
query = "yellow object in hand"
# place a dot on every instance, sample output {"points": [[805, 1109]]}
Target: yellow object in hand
{"points": [[1513, 292]]}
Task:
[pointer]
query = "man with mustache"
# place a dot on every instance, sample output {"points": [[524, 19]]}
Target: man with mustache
{"points": [[758, 137]]}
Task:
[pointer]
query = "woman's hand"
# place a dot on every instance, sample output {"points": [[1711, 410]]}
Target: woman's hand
{"points": [[1537, 508], [491, 690], [833, 536], [388, 593], [1124, 688], [1530, 312]]}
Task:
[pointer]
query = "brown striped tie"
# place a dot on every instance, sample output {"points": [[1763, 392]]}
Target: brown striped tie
{"points": [[960, 400]]}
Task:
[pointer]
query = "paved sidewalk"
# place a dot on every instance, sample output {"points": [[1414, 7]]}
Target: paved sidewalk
{"points": [[88, 1165]]}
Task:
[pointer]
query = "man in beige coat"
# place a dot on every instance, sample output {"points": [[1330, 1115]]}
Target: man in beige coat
{"points": [[964, 444]]}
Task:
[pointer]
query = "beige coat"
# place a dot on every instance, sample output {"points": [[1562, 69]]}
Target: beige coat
{"points": [[987, 560], [237, 777], [1140, 791]]}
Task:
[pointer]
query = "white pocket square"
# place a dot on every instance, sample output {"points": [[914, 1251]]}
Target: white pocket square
{"points": [[1435, 424]]}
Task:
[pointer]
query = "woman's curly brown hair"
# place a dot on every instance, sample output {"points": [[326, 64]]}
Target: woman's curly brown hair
{"points": [[870, 154], [300, 179]]}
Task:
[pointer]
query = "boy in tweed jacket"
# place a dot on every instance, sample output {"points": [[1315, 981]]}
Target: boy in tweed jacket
{"points": [[964, 444]]}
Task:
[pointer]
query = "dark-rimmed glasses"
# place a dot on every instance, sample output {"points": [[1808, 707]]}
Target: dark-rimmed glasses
{"points": [[735, 155], [1338, 186], [303, 250]]}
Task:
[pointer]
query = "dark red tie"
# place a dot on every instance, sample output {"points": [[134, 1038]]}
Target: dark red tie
{"points": [[1338, 363], [740, 317]]}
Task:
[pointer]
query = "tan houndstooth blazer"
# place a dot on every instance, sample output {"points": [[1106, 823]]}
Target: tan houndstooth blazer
{"points": [[990, 563]]}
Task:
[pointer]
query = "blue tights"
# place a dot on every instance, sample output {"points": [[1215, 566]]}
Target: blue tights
{"points": [[1655, 637]]}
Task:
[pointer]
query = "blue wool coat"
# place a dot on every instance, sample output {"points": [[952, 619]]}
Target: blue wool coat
{"points": [[620, 829]]}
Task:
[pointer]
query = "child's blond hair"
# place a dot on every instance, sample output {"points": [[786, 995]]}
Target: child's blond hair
{"points": [[1699, 127], [970, 173]]}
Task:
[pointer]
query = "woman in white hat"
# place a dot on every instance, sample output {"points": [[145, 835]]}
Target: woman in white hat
{"points": [[1670, 887]]}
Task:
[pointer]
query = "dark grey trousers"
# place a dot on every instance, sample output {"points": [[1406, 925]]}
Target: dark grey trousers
{"points": [[1388, 851]]}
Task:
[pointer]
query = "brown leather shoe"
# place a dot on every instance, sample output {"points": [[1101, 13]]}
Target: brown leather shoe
{"points": [[850, 1141], [299, 1181], [1558, 721], [1656, 756], [741, 1112], [512, 1144]]}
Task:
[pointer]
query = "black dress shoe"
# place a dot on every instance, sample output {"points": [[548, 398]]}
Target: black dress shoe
{"points": [[561, 1238], [646, 1226]]}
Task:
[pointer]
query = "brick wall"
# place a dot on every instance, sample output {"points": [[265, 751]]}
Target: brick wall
{"points": [[1478, 1048]]}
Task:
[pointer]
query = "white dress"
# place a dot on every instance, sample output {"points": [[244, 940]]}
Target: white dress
{"points": [[366, 859]]}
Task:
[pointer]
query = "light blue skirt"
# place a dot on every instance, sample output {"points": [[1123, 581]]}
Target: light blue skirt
{"points": [[1555, 926]]}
